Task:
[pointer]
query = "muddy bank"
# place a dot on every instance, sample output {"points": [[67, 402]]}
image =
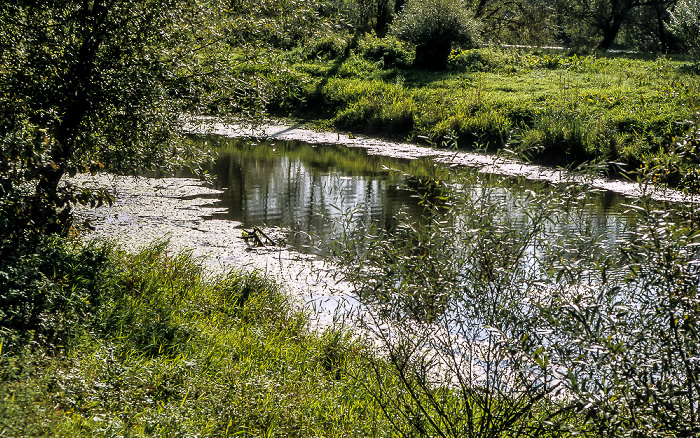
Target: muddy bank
{"points": [[485, 163]]}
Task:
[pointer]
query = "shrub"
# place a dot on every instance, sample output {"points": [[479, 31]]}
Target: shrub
{"points": [[49, 291], [685, 23], [331, 46], [434, 25], [388, 52]]}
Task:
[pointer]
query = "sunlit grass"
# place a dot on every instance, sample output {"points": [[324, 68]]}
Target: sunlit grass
{"points": [[560, 108], [174, 353]]}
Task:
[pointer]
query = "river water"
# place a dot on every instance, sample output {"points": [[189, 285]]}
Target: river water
{"points": [[304, 194]]}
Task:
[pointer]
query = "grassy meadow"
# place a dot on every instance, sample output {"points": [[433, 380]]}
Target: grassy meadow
{"points": [[549, 106]]}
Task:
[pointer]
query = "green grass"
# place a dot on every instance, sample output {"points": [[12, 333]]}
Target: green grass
{"points": [[171, 352], [552, 107], [160, 347]]}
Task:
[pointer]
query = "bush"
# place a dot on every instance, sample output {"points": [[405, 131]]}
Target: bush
{"points": [[685, 23], [388, 52], [331, 46], [512, 315], [434, 25], [49, 290]]}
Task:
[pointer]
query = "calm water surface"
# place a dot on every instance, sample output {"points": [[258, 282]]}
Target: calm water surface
{"points": [[312, 190]]}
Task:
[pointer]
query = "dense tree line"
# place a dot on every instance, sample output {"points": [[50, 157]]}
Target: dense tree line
{"points": [[600, 24]]}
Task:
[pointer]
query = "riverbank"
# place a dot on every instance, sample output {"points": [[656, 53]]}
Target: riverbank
{"points": [[149, 343], [157, 342], [487, 163], [184, 211], [549, 107]]}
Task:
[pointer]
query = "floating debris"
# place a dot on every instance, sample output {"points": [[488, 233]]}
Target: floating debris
{"points": [[258, 238]]}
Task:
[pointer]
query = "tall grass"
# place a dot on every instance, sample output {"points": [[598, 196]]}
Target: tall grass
{"points": [[172, 352]]}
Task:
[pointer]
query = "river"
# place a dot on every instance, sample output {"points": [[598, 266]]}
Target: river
{"points": [[306, 194]]}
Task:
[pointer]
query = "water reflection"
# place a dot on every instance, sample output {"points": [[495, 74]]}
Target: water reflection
{"points": [[309, 190], [317, 190]]}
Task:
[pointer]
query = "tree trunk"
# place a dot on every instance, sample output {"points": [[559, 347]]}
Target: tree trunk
{"points": [[611, 31], [383, 18], [432, 56], [661, 16]]}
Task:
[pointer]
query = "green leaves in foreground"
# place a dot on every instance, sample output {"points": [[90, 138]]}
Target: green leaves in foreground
{"points": [[169, 352], [512, 313]]}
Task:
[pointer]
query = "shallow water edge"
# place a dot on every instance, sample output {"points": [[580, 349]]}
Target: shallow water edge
{"points": [[481, 162]]}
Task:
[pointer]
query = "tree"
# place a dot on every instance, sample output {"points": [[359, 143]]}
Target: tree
{"points": [[685, 23], [434, 25], [646, 29], [528, 22], [283, 23], [374, 14], [95, 84], [596, 23]]}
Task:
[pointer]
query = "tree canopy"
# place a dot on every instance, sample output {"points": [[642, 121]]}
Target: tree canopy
{"points": [[99, 84]]}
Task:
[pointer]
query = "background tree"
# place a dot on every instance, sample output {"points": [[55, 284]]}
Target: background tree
{"points": [[87, 85], [373, 14], [529, 22], [433, 26], [685, 23], [284, 24], [597, 23]]}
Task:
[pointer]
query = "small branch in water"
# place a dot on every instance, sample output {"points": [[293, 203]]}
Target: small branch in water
{"points": [[258, 237]]}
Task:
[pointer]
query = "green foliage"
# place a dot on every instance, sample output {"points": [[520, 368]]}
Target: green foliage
{"points": [[50, 291], [437, 21], [370, 105], [526, 22], [629, 343], [282, 24], [96, 85], [388, 52], [450, 297], [171, 351], [562, 138], [685, 23], [331, 46], [680, 167], [480, 60], [434, 25], [508, 312], [561, 108], [575, 63]]}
